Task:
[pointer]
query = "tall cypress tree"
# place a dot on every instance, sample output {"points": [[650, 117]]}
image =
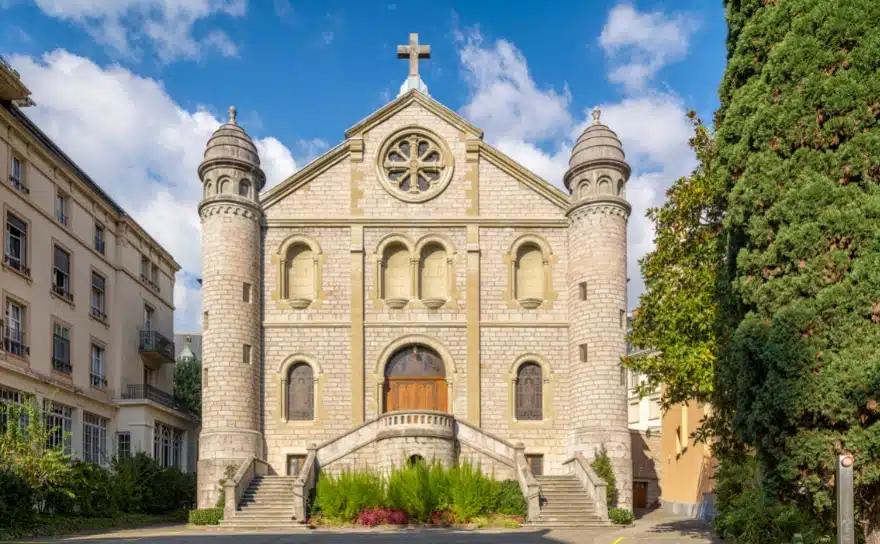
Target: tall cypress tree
{"points": [[798, 145]]}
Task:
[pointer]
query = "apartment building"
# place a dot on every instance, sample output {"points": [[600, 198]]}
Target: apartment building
{"points": [[87, 304]]}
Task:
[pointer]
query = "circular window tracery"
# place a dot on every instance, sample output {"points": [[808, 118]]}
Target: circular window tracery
{"points": [[414, 164]]}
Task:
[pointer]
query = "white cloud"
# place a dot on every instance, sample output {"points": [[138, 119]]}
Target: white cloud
{"points": [[534, 126], [639, 44], [141, 147], [124, 25]]}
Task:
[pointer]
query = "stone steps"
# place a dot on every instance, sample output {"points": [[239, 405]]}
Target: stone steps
{"points": [[565, 503], [267, 503]]}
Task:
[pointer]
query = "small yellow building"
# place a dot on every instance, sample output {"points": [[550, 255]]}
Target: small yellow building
{"points": [[687, 468]]}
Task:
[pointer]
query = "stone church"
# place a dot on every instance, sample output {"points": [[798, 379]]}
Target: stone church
{"points": [[413, 293]]}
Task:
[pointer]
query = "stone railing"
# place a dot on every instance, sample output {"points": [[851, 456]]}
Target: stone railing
{"points": [[303, 485], [416, 423], [235, 487], [594, 485], [527, 483]]}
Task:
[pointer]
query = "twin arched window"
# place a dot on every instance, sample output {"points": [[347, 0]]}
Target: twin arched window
{"points": [[529, 392], [300, 393], [422, 273]]}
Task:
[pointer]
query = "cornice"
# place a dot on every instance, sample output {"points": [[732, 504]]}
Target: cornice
{"points": [[524, 175], [230, 162], [592, 165], [307, 174], [600, 205], [428, 222], [401, 102], [229, 205]]}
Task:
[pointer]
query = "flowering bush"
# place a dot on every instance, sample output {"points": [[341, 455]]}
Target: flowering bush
{"points": [[372, 517]]}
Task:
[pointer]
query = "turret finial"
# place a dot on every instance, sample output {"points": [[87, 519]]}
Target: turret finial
{"points": [[596, 113], [232, 115]]}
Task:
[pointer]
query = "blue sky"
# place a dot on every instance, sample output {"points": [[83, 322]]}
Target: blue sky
{"points": [[133, 88]]}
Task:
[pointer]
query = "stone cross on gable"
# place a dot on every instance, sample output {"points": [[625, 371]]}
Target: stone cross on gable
{"points": [[414, 52]]}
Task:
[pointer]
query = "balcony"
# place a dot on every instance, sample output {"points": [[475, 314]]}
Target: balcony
{"points": [[156, 347], [148, 392], [18, 185], [150, 283]]}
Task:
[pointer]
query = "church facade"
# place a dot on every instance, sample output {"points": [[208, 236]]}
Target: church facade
{"points": [[413, 292]]}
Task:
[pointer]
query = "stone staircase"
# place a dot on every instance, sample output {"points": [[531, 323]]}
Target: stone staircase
{"points": [[565, 503], [266, 504]]}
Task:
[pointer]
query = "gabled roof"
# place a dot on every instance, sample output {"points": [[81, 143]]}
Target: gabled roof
{"points": [[353, 137], [404, 100]]}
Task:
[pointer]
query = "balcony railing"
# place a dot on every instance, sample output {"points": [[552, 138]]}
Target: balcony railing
{"points": [[98, 314], [63, 292], [150, 283], [61, 365], [17, 264], [156, 346], [15, 341], [18, 185], [144, 391], [98, 380]]}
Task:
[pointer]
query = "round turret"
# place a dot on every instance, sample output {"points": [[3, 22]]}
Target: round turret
{"points": [[596, 277], [230, 145]]}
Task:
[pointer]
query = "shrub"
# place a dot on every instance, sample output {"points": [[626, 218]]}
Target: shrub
{"points": [[343, 497], [509, 499], [418, 489], [372, 517], [472, 493], [602, 467], [621, 516], [206, 516], [16, 500]]}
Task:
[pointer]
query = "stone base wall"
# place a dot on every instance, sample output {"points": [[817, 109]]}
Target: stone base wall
{"points": [[618, 443], [386, 453], [489, 465], [218, 450]]}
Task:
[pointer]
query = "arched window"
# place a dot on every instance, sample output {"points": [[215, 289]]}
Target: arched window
{"points": [[299, 270], [209, 186], [223, 187], [396, 273], [432, 272], [529, 273], [244, 188], [529, 392], [605, 186], [300, 393]]}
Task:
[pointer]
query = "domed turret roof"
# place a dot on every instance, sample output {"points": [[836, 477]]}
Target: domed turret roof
{"points": [[230, 141], [596, 142]]}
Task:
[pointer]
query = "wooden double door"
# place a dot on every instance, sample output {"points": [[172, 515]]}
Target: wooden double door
{"points": [[415, 394]]}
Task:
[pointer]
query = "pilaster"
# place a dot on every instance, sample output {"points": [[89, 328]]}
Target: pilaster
{"points": [[473, 324], [357, 324]]}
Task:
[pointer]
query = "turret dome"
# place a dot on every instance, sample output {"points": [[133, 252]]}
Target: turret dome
{"points": [[230, 141], [596, 142]]}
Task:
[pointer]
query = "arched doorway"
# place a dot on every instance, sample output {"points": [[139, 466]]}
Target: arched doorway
{"points": [[415, 379]]}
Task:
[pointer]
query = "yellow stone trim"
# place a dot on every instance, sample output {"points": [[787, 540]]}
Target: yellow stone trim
{"points": [[281, 287], [420, 222], [402, 102], [357, 325], [549, 259], [451, 258], [357, 193], [524, 176], [378, 255], [473, 324], [472, 175], [549, 381], [307, 174], [320, 379], [378, 377]]}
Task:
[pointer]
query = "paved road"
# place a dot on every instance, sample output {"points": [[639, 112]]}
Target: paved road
{"points": [[655, 528]]}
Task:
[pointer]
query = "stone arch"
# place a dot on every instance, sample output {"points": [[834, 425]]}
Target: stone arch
{"points": [[209, 188], [549, 381], [512, 258], [621, 188], [605, 186], [318, 393], [244, 188], [583, 188], [223, 185], [413, 339], [383, 247], [432, 294], [310, 254]]}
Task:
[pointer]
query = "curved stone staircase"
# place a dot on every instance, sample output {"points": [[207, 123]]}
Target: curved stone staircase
{"points": [[565, 503], [266, 504]]}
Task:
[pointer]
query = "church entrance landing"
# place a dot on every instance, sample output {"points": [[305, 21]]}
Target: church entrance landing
{"points": [[415, 379]]}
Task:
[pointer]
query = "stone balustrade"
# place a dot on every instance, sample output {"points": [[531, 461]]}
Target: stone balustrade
{"points": [[416, 423]]}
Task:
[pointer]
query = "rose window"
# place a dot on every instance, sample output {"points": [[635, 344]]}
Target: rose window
{"points": [[414, 165]]}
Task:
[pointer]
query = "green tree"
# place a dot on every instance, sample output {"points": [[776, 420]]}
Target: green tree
{"points": [[798, 147], [676, 315], [188, 384]]}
